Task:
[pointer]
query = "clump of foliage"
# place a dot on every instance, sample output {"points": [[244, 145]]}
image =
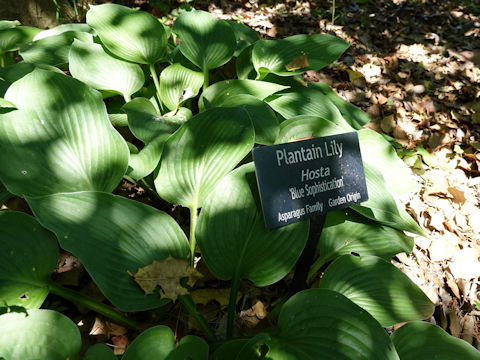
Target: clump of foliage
{"points": [[194, 127]]}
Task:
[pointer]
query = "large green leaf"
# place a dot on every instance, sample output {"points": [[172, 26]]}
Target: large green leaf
{"points": [[12, 38], [204, 40], [244, 64], [421, 340], [52, 50], [322, 324], [307, 101], [379, 287], [306, 126], [263, 118], [132, 35], [378, 152], [252, 251], [8, 24], [40, 334], [4, 194], [143, 162], [28, 255], [381, 205], [154, 343], [99, 352], [190, 347], [60, 139], [127, 234], [222, 90], [12, 73], [63, 28], [88, 62], [201, 152], [244, 35], [296, 54], [345, 231], [352, 114], [177, 84]]}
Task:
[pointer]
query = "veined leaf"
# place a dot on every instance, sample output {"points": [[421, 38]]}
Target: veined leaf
{"points": [[52, 50], [345, 231], [40, 334], [63, 28], [89, 63], [220, 91], [320, 322], [244, 64], [278, 56], [8, 24], [12, 73], [263, 118], [378, 152], [252, 251], [379, 287], [28, 255], [304, 127], [177, 84], [201, 152], [204, 40], [6, 105], [381, 205], [244, 35], [60, 139], [127, 233], [307, 101], [422, 340], [12, 38], [136, 36]]}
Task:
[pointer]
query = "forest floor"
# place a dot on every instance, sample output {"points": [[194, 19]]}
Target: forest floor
{"points": [[414, 67]]}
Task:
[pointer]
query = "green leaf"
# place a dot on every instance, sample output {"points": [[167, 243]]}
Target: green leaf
{"points": [[244, 64], [421, 340], [263, 118], [12, 38], [177, 84], [352, 114], [320, 323], [378, 152], [252, 251], [381, 205], [307, 101], [278, 56], [28, 255], [229, 349], [6, 105], [244, 35], [63, 28], [201, 152], [52, 50], [8, 24], [154, 343], [220, 91], [379, 287], [99, 352], [127, 233], [190, 348], [204, 40], [89, 63], [306, 126], [60, 139], [42, 334], [132, 35], [345, 231], [143, 162], [12, 73], [4, 194]]}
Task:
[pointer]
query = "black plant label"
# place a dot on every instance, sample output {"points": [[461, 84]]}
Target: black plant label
{"points": [[300, 179]]}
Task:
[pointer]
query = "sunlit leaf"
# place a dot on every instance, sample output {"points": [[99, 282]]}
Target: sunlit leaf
{"points": [[12, 38], [201, 152], [40, 334], [132, 35], [296, 54], [391, 298], [89, 63], [244, 35], [252, 251], [127, 233], [28, 255], [63, 28], [204, 40], [53, 144], [12, 73]]}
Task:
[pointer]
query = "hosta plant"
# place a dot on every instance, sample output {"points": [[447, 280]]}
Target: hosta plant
{"points": [[125, 98]]}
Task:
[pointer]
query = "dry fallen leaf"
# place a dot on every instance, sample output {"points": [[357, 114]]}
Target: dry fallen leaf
{"points": [[297, 63], [254, 315], [167, 274], [120, 343], [458, 196], [465, 264]]}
